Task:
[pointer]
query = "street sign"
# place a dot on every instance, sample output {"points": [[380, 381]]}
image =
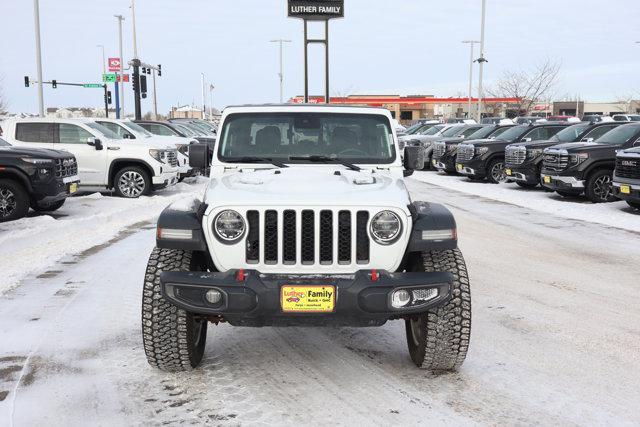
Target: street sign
{"points": [[125, 78], [109, 78], [316, 10], [93, 85], [114, 64]]}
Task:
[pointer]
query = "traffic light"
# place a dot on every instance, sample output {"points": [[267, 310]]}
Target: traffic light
{"points": [[159, 70], [26, 81], [108, 97], [135, 82], [54, 84], [143, 86]]}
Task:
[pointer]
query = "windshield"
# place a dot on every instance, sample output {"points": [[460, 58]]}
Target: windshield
{"points": [[185, 130], [4, 143], [620, 135], [415, 128], [432, 130], [483, 132], [137, 128], [358, 138], [103, 130], [570, 134], [453, 131], [513, 133]]}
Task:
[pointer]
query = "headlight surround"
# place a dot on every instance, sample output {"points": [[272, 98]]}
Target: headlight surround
{"points": [[229, 226], [35, 161], [481, 150], [385, 227], [159, 155], [577, 158], [534, 153]]}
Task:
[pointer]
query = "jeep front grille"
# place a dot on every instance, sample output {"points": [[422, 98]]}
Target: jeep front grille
{"points": [[307, 237], [465, 152], [439, 149], [515, 155], [555, 161], [66, 167], [628, 167]]}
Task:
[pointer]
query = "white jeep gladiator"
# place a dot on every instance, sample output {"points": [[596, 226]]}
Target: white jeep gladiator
{"points": [[307, 221]]}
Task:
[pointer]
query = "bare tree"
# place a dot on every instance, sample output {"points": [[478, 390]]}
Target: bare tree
{"points": [[530, 87]]}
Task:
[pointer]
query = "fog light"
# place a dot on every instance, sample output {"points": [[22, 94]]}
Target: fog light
{"points": [[213, 296], [420, 296], [400, 298]]}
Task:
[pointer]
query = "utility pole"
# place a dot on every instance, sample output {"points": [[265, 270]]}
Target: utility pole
{"points": [[155, 98], [481, 61], [104, 60], [120, 93], [36, 15], [211, 88], [471, 43], [133, 20], [204, 103], [281, 74]]}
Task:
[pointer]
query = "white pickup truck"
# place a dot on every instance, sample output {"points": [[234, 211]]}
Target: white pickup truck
{"points": [[130, 168]]}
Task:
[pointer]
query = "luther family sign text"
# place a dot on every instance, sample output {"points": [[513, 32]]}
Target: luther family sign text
{"points": [[316, 10]]}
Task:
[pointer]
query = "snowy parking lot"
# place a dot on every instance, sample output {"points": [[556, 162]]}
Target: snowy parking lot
{"points": [[555, 330]]}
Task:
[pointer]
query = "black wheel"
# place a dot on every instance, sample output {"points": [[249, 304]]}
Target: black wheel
{"points": [[526, 184], [47, 208], [132, 182], [14, 200], [438, 340], [173, 339], [495, 171], [599, 188], [635, 205]]}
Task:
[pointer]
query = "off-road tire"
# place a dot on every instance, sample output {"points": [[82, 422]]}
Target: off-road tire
{"points": [[47, 208], [599, 187], [133, 171], [438, 340], [635, 205], [14, 199], [174, 339]]}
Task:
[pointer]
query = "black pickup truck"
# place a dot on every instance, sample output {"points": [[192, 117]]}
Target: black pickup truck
{"points": [[445, 149], [523, 160], [33, 177], [587, 167], [485, 158], [626, 177]]}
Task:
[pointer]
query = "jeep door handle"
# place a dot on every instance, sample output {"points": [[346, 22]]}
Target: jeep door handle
{"points": [[113, 148]]}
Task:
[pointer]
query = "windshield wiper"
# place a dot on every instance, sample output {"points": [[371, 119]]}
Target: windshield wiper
{"points": [[256, 160], [327, 159]]}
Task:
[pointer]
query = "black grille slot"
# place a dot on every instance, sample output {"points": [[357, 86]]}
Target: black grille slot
{"points": [[344, 237], [271, 237], [66, 167], [362, 239], [326, 237], [289, 237], [253, 237], [308, 238], [628, 168]]}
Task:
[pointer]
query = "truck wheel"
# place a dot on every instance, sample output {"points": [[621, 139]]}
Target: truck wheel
{"points": [[438, 340], [14, 200], [635, 205], [173, 339], [132, 182], [495, 171], [47, 208], [599, 188]]}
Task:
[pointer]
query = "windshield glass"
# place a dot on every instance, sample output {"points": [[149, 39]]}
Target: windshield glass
{"points": [[570, 134], [415, 128], [483, 132], [432, 130], [619, 135], [137, 128], [185, 130], [513, 133], [4, 143], [108, 133], [358, 138], [453, 131]]}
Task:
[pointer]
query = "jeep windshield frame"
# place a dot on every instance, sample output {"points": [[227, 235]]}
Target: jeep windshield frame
{"points": [[303, 137]]}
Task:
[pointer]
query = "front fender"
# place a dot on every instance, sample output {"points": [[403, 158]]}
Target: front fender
{"points": [[434, 228], [175, 223]]}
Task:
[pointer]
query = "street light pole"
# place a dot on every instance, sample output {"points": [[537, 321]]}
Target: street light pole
{"points": [[204, 103], [155, 98], [104, 66], [471, 43], [120, 107], [481, 61], [211, 88], [133, 21], [36, 16], [281, 74]]}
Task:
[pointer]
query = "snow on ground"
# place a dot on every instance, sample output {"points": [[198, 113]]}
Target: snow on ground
{"points": [[38, 241], [617, 214]]}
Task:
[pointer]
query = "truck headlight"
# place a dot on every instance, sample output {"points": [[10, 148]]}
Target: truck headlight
{"points": [[229, 226], [385, 227], [159, 155]]}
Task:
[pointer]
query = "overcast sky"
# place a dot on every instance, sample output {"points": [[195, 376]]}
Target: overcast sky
{"points": [[399, 46]]}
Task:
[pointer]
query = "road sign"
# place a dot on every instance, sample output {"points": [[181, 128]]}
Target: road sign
{"points": [[92, 85], [125, 78], [316, 10], [109, 78], [114, 64]]}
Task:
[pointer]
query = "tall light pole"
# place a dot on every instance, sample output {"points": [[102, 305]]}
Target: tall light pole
{"points": [[481, 61], [211, 88], [104, 66], [133, 21], [120, 110], [36, 16], [471, 43], [204, 102], [281, 74]]}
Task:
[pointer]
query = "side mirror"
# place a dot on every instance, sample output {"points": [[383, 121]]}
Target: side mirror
{"points": [[527, 140], [588, 140], [95, 142], [413, 158], [128, 136], [199, 156]]}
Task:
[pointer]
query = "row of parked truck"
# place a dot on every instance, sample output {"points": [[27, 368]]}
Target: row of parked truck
{"points": [[43, 161], [597, 159]]}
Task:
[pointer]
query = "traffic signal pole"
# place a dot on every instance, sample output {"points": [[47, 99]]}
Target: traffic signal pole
{"points": [[106, 100], [135, 63]]}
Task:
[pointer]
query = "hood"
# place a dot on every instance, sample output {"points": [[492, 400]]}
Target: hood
{"points": [[143, 143], [43, 153], [573, 147], [485, 142], [540, 144], [308, 186], [175, 140], [635, 151]]}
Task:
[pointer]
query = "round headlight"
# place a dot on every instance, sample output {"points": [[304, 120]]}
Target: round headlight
{"points": [[385, 227], [229, 226]]}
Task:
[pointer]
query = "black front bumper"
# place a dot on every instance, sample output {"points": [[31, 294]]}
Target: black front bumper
{"points": [[528, 172], [626, 189], [445, 163], [250, 298], [51, 192], [476, 167]]}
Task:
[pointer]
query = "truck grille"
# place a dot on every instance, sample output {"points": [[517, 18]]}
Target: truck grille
{"points": [[515, 155], [439, 149], [172, 158], [66, 167], [465, 152], [307, 237], [555, 161], [628, 167]]}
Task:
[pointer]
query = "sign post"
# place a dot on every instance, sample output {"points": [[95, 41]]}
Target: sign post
{"points": [[316, 10]]}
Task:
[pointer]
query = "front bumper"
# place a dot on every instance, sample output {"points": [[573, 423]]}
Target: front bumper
{"points": [[526, 172], [626, 189], [567, 183], [445, 163], [166, 178], [250, 298], [474, 167], [54, 191]]}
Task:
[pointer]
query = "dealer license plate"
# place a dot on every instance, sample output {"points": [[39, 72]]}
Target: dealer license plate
{"points": [[73, 187], [308, 299], [508, 172], [547, 180], [459, 167], [625, 189]]}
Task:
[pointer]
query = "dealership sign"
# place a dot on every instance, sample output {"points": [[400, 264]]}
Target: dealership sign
{"points": [[316, 10]]}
